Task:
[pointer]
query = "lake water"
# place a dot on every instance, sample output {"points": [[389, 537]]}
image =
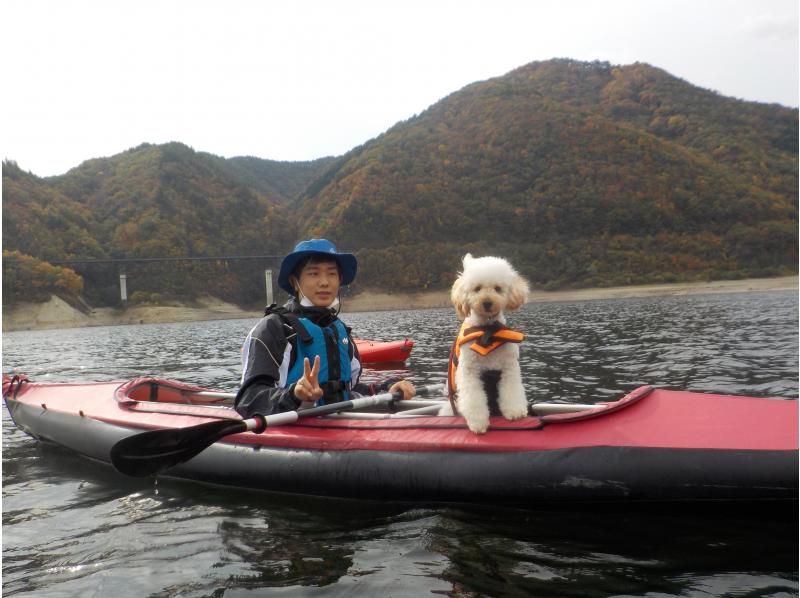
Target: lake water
{"points": [[73, 528]]}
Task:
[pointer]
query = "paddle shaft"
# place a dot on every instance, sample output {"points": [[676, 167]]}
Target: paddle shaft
{"points": [[538, 408], [289, 417]]}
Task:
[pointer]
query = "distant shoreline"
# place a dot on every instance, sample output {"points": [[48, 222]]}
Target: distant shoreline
{"points": [[384, 301], [58, 314]]}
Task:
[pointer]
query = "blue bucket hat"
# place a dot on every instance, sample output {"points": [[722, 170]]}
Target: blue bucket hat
{"points": [[347, 261]]}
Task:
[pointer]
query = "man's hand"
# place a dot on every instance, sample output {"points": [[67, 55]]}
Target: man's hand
{"points": [[307, 388], [405, 387]]}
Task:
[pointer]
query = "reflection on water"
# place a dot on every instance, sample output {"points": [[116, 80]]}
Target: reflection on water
{"points": [[73, 528]]}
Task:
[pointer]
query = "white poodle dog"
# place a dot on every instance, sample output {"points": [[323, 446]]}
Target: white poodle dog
{"points": [[483, 293]]}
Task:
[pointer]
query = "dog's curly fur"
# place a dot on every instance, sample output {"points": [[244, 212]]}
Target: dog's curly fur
{"points": [[486, 289]]}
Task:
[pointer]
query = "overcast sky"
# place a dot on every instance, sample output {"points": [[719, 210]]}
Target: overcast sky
{"points": [[298, 80]]}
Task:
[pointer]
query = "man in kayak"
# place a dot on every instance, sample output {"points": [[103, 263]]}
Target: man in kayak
{"points": [[302, 354]]}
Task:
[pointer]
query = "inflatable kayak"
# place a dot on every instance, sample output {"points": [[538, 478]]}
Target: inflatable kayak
{"points": [[384, 351], [651, 445]]}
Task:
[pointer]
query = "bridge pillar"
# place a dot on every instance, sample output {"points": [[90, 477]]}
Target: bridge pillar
{"points": [[123, 288], [268, 280]]}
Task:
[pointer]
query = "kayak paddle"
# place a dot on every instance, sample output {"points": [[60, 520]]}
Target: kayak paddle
{"points": [[150, 453]]}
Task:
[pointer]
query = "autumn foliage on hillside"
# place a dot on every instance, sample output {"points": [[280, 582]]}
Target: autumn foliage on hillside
{"points": [[26, 278], [149, 202], [583, 174]]}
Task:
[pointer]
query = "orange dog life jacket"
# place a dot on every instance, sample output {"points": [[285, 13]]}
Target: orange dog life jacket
{"points": [[481, 339]]}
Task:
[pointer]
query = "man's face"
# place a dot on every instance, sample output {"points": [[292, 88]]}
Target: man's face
{"points": [[319, 282]]}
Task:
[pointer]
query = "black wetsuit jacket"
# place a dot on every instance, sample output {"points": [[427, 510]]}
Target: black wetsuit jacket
{"points": [[268, 354]]}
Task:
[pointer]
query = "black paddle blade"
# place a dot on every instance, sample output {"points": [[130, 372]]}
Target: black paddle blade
{"points": [[150, 453]]}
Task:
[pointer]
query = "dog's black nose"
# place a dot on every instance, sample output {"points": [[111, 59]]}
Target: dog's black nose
{"points": [[487, 305]]}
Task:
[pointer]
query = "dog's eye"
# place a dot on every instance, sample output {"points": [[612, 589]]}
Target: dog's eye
{"points": [[498, 289], [477, 288]]}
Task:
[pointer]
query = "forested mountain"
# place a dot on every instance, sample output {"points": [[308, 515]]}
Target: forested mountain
{"points": [[582, 173], [285, 180], [151, 201]]}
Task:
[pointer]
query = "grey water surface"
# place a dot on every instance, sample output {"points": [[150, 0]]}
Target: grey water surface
{"points": [[74, 528]]}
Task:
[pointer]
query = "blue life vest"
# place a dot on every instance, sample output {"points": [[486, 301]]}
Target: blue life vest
{"points": [[332, 344]]}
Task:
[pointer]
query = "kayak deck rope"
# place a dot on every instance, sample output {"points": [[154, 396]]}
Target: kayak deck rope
{"points": [[14, 384]]}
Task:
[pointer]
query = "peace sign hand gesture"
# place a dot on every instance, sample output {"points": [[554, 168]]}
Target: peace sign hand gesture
{"points": [[307, 388]]}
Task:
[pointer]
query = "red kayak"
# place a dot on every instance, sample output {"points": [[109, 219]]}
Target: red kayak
{"points": [[652, 445], [384, 352]]}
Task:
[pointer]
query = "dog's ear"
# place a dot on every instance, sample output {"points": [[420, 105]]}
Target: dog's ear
{"points": [[518, 293], [467, 259], [459, 299]]}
